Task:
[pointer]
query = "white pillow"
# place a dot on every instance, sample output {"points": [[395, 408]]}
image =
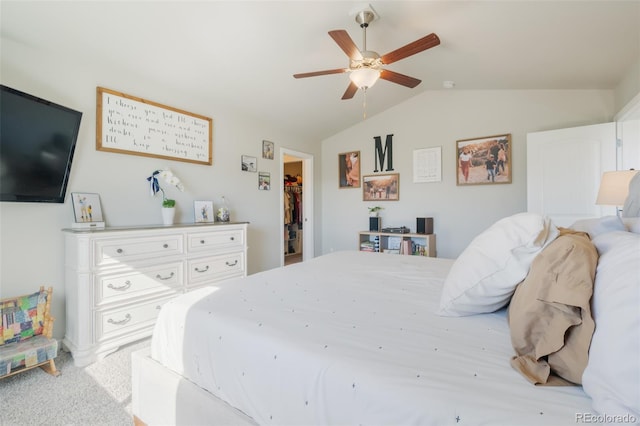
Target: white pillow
{"points": [[632, 224], [484, 277], [600, 225], [612, 376]]}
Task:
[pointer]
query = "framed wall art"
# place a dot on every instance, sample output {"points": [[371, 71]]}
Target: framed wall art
{"points": [[349, 169], [203, 211], [267, 150], [427, 165], [383, 187], [486, 160], [264, 181], [130, 125], [249, 164]]}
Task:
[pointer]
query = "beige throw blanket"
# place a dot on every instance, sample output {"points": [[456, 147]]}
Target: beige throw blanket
{"points": [[550, 313]]}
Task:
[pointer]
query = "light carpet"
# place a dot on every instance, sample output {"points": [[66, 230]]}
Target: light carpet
{"points": [[98, 394]]}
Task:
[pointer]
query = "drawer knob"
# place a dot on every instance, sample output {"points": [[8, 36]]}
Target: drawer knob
{"points": [[235, 262], [160, 277], [232, 238], [165, 245], [119, 251], [201, 270], [201, 241], [126, 285], [126, 319]]}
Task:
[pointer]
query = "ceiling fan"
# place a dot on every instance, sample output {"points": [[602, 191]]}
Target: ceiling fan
{"points": [[365, 66]]}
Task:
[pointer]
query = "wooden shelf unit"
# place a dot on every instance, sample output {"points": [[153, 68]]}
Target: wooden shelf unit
{"points": [[390, 242]]}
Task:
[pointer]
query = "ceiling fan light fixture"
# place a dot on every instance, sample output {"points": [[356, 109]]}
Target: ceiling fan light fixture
{"points": [[364, 78]]}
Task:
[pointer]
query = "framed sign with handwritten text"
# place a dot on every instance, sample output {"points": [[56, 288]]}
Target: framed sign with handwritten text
{"points": [[130, 125]]}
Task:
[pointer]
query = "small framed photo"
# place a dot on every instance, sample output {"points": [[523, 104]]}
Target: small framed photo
{"points": [[203, 211], [384, 187], [86, 207], [349, 169], [264, 181], [249, 164], [482, 161], [267, 150]]}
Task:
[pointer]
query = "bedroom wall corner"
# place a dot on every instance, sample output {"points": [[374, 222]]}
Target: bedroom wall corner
{"points": [[439, 118]]}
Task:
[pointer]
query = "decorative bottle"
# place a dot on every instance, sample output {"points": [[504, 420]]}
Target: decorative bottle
{"points": [[223, 211]]}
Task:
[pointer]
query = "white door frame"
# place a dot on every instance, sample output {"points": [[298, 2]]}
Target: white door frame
{"points": [[307, 203]]}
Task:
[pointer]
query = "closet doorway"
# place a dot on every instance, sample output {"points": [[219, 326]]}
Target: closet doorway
{"points": [[296, 192]]}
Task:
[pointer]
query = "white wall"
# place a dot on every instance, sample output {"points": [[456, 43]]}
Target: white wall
{"points": [[439, 118], [31, 248]]}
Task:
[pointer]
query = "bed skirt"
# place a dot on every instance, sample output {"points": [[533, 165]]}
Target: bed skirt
{"points": [[169, 398]]}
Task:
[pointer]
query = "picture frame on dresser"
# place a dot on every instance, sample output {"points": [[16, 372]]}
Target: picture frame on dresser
{"points": [[203, 211], [87, 211]]}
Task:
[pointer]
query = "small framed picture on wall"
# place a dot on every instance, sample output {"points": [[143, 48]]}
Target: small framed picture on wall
{"points": [[267, 150], [264, 181], [349, 169], [249, 163], [384, 187]]}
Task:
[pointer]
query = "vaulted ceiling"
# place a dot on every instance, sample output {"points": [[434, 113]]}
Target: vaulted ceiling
{"points": [[244, 54]]}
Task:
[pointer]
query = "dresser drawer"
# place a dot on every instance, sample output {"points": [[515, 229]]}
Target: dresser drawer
{"points": [[125, 286], [232, 239], [114, 251], [112, 323], [215, 268]]}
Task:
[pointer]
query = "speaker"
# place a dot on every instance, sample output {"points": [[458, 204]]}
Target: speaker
{"points": [[375, 224], [424, 225]]}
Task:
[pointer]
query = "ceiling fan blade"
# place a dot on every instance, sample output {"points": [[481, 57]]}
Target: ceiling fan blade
{"points": [[417, 46], [317, 73], [346, 44], [351, 90], [398, 78]]}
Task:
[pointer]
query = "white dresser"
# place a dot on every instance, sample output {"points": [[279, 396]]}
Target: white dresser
{"points": [[117, 279]]}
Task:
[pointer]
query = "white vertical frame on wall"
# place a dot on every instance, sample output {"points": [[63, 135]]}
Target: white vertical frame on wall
{"points": [[427, 165]]}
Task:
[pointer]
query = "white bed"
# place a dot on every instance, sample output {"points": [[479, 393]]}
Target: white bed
{"points": [[346, 338]]}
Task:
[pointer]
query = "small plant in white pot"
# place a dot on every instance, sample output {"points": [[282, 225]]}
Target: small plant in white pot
{"points": [[373, 211], [168, 204]]}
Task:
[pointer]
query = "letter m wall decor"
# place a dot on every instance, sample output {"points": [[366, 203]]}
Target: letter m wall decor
{"points": [[380, 153]]}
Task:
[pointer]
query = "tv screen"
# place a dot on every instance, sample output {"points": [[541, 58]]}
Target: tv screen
{"points": [[37, 142]]}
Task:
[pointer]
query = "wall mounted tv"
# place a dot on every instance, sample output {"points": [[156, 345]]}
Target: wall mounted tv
{"points": [[37, 142]]}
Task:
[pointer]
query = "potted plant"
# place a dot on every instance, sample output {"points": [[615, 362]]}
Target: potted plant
{"points": [[373, 211], [168, 204]]}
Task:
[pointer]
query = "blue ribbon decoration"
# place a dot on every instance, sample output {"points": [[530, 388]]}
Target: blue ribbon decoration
{"points": [[153, 180]]}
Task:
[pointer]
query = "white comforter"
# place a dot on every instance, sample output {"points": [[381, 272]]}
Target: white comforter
{"points": [[351, 338]]}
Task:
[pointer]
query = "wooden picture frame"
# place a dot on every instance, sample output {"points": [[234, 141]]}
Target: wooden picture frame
{"points": [[484, 161], [86, 207], [349, 169], [126, 124], [382, 187], [203, 211]]}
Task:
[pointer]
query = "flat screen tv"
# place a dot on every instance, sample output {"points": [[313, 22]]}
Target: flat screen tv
{"points": [[37, 142]]}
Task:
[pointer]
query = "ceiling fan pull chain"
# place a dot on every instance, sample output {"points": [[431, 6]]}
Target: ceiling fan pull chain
{"points": [[364, 104]]}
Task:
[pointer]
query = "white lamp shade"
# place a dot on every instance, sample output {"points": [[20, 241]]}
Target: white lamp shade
{"points": [[364, 77], [614, 187]]}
